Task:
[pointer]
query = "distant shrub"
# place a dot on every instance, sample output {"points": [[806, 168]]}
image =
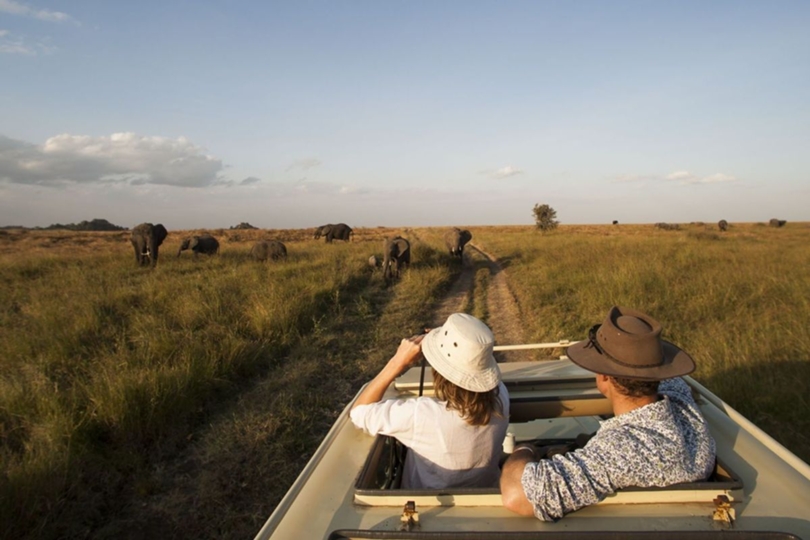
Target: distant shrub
{"points": [[92, 225], [545, 217], [668, 226]]}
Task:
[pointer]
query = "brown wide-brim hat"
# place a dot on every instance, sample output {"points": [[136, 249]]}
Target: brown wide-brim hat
{"points": [[628, 344]]}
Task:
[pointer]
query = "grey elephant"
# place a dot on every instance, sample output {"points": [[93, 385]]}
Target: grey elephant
{"points": [[338, 231], [777, 222], [268, 249], [146, 239], [319, 230], [396, 256], [205, 243], [455, 239], [722, 225]]}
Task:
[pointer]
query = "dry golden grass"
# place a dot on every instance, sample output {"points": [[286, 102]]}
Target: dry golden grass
{"points": [[738, 301], [110, 372], [109, 369]]}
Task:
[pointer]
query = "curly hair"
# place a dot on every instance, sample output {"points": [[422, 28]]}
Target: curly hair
{"points": [[476, 408], [634, 387]]}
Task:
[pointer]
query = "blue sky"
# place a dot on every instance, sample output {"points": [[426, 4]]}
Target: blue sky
{"points": [[205, 114]]}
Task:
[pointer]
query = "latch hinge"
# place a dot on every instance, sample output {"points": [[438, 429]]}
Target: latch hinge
{"points": [[409, 520], [723, 515]]}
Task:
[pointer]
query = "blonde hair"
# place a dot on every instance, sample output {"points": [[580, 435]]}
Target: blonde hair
{"points": [[476, 408]]}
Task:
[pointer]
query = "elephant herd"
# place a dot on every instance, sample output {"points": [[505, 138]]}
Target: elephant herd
{"points": [[146, 239], [397, 252]]}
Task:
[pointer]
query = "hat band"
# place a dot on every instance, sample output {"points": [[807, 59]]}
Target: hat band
{"points": [[592, 342]]}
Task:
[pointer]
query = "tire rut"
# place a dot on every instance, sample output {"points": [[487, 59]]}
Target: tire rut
{"points": [[503, 313]]}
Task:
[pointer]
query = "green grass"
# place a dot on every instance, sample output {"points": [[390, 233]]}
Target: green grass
{"points": [[738, 302]]}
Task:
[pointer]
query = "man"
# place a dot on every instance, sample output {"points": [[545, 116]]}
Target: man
{"points": [[657, 436]]}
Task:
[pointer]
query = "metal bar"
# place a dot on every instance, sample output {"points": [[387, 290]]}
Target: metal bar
{"points": [[556, 345]]}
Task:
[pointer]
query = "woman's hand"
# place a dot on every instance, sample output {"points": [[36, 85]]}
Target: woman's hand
{"points": [[408, 352]]}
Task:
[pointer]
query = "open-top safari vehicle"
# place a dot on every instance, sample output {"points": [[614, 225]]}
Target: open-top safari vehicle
{"points": [[350, 487]]}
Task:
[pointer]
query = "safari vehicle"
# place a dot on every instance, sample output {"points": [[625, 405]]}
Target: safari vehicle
{"points": [[350, 487]]}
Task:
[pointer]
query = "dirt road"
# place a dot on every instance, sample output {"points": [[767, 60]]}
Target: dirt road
{"points": [[502, 313]]}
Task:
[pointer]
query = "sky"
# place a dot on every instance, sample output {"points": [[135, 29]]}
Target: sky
{"points": [[202, 114]]}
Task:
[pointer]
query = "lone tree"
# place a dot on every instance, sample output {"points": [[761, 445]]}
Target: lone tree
{"points": [[544, 217]]}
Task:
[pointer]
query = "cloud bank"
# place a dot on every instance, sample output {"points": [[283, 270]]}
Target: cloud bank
{"points": [[503, 172], [14, 44], [683, 177], [120, 157], [17, 8]]}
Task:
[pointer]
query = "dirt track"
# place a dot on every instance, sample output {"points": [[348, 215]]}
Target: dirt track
{"points": [[503, 315]]}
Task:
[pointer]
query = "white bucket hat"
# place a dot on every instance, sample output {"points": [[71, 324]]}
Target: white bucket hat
{"points": [[461, 351]]}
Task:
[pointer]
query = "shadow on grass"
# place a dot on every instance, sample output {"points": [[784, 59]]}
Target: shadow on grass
{"points": [[773, 395]]}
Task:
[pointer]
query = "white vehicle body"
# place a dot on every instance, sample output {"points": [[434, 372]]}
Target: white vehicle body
{"points": [[760, 490]]}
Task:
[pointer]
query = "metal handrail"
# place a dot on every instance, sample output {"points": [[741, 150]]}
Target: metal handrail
{"points": [[555, 345]]}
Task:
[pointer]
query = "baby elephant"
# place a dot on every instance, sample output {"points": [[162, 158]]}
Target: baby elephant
{"points": [[268, 249], [206, 244]]}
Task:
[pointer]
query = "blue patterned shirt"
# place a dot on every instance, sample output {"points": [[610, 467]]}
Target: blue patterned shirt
{"points": [[660, 444]]}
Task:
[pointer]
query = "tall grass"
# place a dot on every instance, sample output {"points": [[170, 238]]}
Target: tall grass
{"points": [[108, 367], [739, 302]]}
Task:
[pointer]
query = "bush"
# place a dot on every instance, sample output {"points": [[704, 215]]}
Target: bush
{"points": [[544, 217]]}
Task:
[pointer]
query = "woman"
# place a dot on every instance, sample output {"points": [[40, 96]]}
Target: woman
{"points": [[454, 439]]}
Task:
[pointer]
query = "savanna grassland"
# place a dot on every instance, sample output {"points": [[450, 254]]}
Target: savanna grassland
{"points": [[737, 301], [183, 401]]}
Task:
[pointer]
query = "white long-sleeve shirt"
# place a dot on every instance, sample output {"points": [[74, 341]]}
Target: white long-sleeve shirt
{"points": [[443, 449]]}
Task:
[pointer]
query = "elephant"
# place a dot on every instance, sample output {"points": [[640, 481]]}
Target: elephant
{"points": [[319, 230], [455, 239], [146, 238], [615, 221], [200, 244], [396, 256], [268, 249], [338, 231], [777, 222], [722, 225], [374, 261]]}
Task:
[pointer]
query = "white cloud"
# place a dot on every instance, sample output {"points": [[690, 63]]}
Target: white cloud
{"points": [[10, 44], [16, 47], [503, 172], [121, 157], [304, 164], [685, 177], [634, 178], [17, 8], [717, 177]]}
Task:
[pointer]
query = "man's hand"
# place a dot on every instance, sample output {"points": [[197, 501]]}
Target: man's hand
{"points": [[511, 489]]}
